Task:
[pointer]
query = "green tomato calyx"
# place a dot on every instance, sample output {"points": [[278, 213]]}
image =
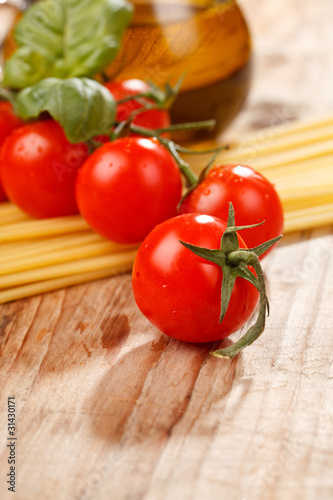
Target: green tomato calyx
{"points": [[234, 262]]}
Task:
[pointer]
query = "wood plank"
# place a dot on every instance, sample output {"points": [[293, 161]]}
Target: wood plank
{"points": [[103, 389]]}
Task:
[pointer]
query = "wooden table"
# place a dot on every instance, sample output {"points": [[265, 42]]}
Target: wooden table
{"points": [[109, 408]]}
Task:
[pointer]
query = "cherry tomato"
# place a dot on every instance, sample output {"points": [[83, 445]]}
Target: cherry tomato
{"points": [[179, 292], [254, 199], [39, 167], [152, 119], [128, 186], [8, 122]]}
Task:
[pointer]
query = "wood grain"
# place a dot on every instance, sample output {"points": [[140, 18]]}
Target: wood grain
{"points": [[109, 408]]}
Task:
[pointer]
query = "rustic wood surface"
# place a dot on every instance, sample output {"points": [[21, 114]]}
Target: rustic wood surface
{"points": [[109, 408]]}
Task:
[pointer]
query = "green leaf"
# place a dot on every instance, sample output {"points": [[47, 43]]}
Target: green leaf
{"points": [[231, 216], [245, 273], [257, 329], [261, 249], [229, 242], [25, 68], [234, 229], [65, 39], [228, 282], [82, 106], [215, 256]]}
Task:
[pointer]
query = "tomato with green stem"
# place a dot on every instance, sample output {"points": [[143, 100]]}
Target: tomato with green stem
{"points": [[191, 279], [254, 199], [128, 186], [8, 122], [151, 119], [38, 167]]}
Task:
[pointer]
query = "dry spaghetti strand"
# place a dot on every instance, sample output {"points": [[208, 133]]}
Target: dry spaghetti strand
{"points": [[22, 292]]}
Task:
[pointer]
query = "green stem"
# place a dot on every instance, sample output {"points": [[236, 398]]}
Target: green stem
{"points": [[164, 99], [234, 263], [188, 151], [187, 126], [93, 145], [191, 177], [250, 259], [132, 97], [126, 124], [104, 77], [209, 165]]}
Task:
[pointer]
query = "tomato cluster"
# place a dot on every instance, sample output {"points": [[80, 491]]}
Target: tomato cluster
{"points": [[129, 190], [39, 169]]}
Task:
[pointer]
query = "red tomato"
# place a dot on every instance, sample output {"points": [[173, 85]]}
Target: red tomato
{"points": [[128, 186], [8, 122], [179, 292], [152, 119], [254, 199], [39, 167]]}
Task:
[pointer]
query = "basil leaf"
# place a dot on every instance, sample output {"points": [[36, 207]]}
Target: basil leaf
{"points": [[65, 39], [83, 107]]}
